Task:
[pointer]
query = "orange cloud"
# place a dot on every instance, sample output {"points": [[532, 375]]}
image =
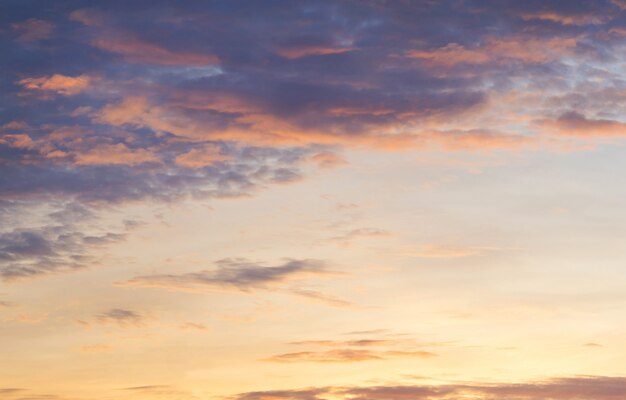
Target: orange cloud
{"points": [[345, 355], [66, 85], [497, 51], [142, 52], [200, 157], [115, 154], [327, 159], [21, 141], [252, 126], [248, 123], [305, 51], [475, 139]]}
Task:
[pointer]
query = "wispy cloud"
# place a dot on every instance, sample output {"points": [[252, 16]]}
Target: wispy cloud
{"points": [[583, 388], [356, 350], [345, 355], [237, 274], [119, 317]]}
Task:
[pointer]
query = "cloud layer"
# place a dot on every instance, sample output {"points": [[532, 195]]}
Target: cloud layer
{"points": [[577, 388], [107, 103]]}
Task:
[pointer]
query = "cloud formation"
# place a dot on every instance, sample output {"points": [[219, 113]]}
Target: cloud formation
{"points": [[575, 388], [234, 274], [354, 350], [108, 103], [66, 85], [49, 249], [119, 317]]}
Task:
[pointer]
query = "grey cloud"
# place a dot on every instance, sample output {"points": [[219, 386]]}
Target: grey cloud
{"points": [[28, 254], [237, 274], [120, 317]]}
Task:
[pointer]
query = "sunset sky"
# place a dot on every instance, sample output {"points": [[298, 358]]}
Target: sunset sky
{"points": [[313, 200]]}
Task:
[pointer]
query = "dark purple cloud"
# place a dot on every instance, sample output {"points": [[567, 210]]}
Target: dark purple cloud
{"points": [[111, 102]]}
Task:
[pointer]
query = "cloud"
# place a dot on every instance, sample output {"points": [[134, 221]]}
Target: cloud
{"points": [[497, 51], [476, 139], [115, 154], [65, 85], [573, 123], [444, 251], [303, 394], [368, 332], [345, 355], [356, 343], [307, 51], [120, 317], [127, 106], [566, 19], [353, 351], [575, 388], [193, 326], [33, 30], [620, 3], [360, 233], [165, 392], [199, 157], [61, 242], [320, 297], [234, 274], [6, 304], [139, 51], [327, 159]]}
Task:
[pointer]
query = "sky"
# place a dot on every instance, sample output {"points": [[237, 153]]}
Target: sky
{"points": [[312, 200]]}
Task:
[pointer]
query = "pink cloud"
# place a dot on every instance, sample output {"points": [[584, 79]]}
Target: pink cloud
{"points": [[142, 52], [202, 156], [33, 30], [65, 85], [497, 51], [115, 154]]}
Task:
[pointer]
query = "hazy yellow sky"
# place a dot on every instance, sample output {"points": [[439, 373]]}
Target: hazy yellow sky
{"points": [[326, 200]]}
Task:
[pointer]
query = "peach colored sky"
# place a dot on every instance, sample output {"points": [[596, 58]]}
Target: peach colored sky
{"points": [[312, 200]]}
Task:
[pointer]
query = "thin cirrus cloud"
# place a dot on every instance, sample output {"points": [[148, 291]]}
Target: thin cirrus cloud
{"points": [[345, 355], [445, 251], [350, 351]]}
